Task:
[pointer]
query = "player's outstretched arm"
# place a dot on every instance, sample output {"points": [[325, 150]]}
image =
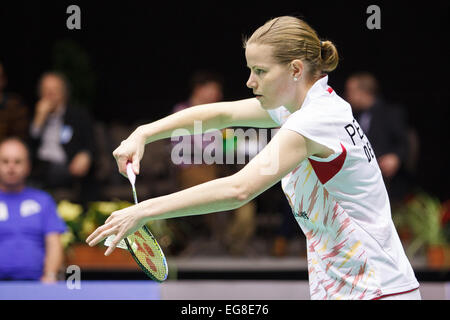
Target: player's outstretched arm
{"points": [[219, 115], [280, 156]]}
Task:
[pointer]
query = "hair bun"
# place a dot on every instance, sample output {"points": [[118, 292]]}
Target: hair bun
{"points": [[329, 55]]}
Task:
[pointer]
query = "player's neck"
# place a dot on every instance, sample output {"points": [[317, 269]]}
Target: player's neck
{"points": [[300, 96]]}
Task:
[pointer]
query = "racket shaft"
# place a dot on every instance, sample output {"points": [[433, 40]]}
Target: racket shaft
{"points": [[135, 195]]}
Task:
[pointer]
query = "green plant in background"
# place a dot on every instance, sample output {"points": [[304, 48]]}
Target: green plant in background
{"points": [[422, 215], [71, 213]]}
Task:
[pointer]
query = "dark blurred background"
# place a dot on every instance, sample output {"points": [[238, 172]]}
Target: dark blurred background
{"points": [[134, 58]]}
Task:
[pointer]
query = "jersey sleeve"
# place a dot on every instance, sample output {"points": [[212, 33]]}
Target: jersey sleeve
{"points": [[316, 125]]}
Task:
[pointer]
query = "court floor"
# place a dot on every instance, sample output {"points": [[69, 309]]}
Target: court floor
{"points": [[179, 290]]}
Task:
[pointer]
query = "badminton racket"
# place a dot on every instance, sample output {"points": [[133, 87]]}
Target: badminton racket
{"points": [[142, 245]]}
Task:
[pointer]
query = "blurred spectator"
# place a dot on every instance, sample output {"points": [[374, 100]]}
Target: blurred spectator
{"points": [[385, 125], [63, 141], [14, 119], [207, 87], [30, 228]]}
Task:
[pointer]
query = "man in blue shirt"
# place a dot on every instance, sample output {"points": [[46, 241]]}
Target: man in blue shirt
{"points": [[30, 228]]}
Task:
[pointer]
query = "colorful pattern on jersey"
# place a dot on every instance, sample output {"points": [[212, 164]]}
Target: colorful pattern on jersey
{"points": [[338, 265]]}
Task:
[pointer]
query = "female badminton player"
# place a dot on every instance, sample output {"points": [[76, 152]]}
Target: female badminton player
{"points": [[324, 160]]}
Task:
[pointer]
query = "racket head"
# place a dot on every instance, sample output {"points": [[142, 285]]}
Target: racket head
{"points": [[147, 253]]}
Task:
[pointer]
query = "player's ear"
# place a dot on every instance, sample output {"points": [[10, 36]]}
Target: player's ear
{"points": [[296, 68]]}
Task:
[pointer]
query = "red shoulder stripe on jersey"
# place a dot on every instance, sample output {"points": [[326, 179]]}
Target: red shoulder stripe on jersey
{"points": [[327, 170], [330, 90]]}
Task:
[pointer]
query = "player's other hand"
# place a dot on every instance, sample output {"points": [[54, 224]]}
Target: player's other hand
{"points": [[130, 150], [121, 223]]}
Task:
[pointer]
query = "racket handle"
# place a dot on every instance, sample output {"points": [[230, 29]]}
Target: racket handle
{"points": [[130, 173]]}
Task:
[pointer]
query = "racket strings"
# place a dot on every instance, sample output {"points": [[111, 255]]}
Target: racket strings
{"points": [[148, 253]]}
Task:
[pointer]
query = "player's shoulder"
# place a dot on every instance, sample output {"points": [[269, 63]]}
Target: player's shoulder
{"points": [[325, 108]]}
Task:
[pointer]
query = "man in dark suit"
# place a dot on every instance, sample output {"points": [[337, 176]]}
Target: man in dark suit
{"points": [[386, 127], [62, 139]]}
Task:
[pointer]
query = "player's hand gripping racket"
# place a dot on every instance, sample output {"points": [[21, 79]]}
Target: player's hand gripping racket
{"points": [[143, 247]]}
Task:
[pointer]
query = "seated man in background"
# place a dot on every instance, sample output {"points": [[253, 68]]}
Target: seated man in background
{"points": [[386, 127], [63, 141], [30, 228]]}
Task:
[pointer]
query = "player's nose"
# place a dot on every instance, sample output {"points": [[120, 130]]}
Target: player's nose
{"points": [[251, 83]]}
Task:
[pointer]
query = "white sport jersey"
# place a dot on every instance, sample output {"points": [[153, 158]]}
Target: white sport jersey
{"points": [[342, 205]]}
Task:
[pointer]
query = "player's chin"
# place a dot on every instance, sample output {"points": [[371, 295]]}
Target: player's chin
{"points": [[268, 106], [264, 103]]}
